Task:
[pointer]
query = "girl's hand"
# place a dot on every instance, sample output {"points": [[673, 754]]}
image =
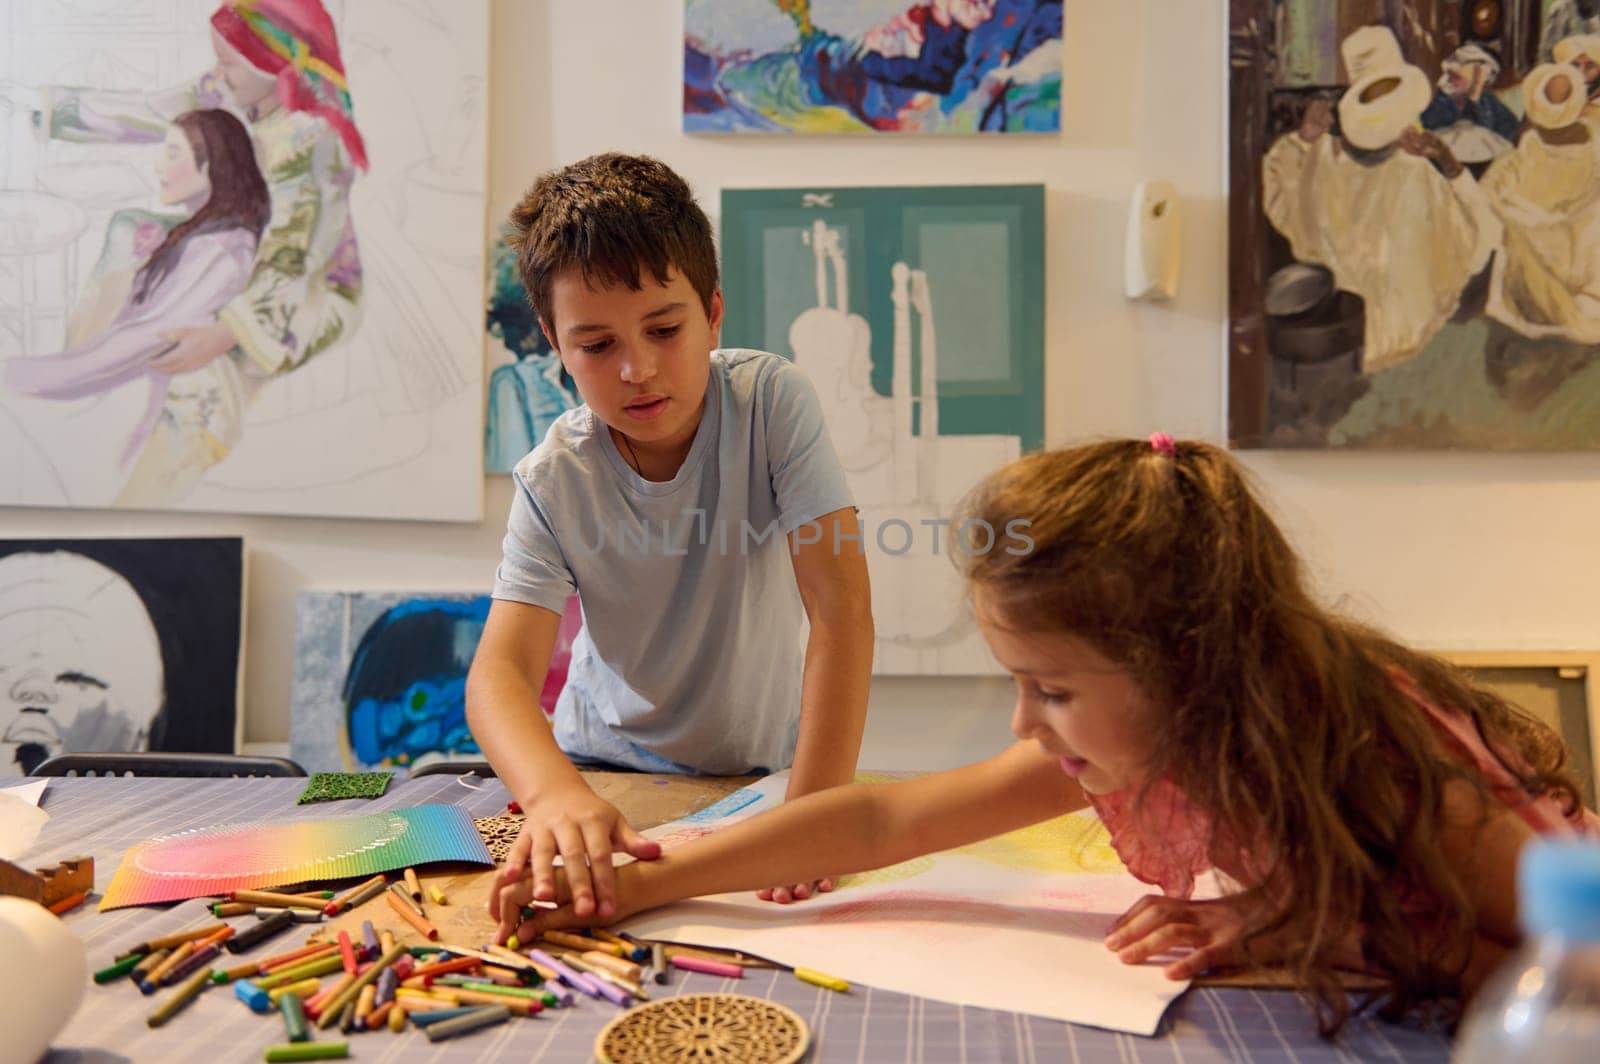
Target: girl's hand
{"points": [[585, 830], [796, 892], [508, 904], [1211, 930]]}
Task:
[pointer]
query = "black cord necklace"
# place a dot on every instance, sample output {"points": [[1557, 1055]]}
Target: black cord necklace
{"points": [[633, 458]]}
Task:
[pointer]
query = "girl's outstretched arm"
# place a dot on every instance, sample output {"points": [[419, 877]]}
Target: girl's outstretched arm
{"points": [[846, 829]]}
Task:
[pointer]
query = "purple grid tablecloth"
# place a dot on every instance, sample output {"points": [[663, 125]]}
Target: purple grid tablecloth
{"points": [[103, 817]]}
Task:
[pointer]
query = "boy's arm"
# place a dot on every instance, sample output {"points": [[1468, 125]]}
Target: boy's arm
{"points": [[832, 576], [845, 829], [503, 709], [831, 572], [563, 815]]}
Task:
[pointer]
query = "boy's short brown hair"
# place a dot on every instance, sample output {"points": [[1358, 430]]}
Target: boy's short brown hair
{"points": [[608, 216]]}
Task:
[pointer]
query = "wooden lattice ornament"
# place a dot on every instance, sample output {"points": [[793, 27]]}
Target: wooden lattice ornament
{"points": [[499, 832], [706, 1028]]}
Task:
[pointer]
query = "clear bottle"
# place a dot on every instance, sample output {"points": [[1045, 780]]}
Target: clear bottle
{"points": [[1543, 1003]]}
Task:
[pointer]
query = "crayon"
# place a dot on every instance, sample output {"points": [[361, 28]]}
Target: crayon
{"points": [[71, 901], [413, 916], [264, 930], [519, 1006], [252, 995], [364, 1003], [816, 978], [502, 977], [175, 939], [385, 941], [347, 952], [312, 968], [602, 976], [347, 1018], [513, 943], [378, 1016], [658, 963], [358, 895], [275, 900], [467, 1022], [575, 979], [232, 908], [455, 964], [505, 958], [200, 958], [301, 916], [508, 956], [146, 966], [315, 1001], [294, 1018], [369, 940], [613, 964], [581, 943], [302, 990], [348, 994], [388, 983], [122, 967], [300, 957], [397, 1016], [179, 998], [469, 982], [153, 977], [295, 1051], [412, 884], [632, 951], [400, 892], [437, 895], [238, 971], [700, 964], [216, 938], [432, 1016]]}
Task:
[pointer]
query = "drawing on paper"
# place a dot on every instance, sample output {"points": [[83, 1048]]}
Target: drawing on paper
{"points": [[528, 389], [1415, 214], [917, 314], [1035, 903], [111, 645], [380, 678], [864, 66], [236, 253]]}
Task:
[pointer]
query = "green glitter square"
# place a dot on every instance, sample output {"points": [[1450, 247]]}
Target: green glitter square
{"points": [[330, 786]]}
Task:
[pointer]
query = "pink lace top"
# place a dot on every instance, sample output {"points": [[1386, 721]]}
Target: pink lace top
{"points": [[1164, 841]]}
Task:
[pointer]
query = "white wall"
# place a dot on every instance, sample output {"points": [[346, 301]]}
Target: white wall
{"points": [[1485, 551]]}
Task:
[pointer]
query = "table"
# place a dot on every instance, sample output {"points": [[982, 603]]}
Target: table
{"points": [[102, 817]]}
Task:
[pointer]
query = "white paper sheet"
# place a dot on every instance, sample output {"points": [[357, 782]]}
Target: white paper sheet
{"points": [[1016, 922], [20, 824], [30, 792]]}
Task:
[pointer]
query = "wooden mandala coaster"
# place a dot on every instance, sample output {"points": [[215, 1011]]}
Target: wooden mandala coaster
{"points": [[706, 1028], [499, 832]]}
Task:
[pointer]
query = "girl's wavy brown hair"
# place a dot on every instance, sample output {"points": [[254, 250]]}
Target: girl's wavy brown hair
{"points": [[1285, 724]]}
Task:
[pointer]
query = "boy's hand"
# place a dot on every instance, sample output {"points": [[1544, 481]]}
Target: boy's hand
{"points": [[797, 891], [585, 830], [508, 905]]}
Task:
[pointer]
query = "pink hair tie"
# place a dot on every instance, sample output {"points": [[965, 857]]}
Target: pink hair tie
{"points": [[1163, 445]]}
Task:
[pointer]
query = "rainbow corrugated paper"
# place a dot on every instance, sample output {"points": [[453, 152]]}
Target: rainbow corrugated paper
{"points": [[193, 864]]}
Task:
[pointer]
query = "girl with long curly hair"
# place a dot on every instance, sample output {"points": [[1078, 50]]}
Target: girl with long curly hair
{"points": [[1364, 802]]}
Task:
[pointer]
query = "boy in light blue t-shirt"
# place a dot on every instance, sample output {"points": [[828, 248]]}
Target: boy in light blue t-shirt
{"points": [[696, 506]]}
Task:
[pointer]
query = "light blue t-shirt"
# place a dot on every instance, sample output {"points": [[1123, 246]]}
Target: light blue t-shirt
{"points": [[691, 653]]}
